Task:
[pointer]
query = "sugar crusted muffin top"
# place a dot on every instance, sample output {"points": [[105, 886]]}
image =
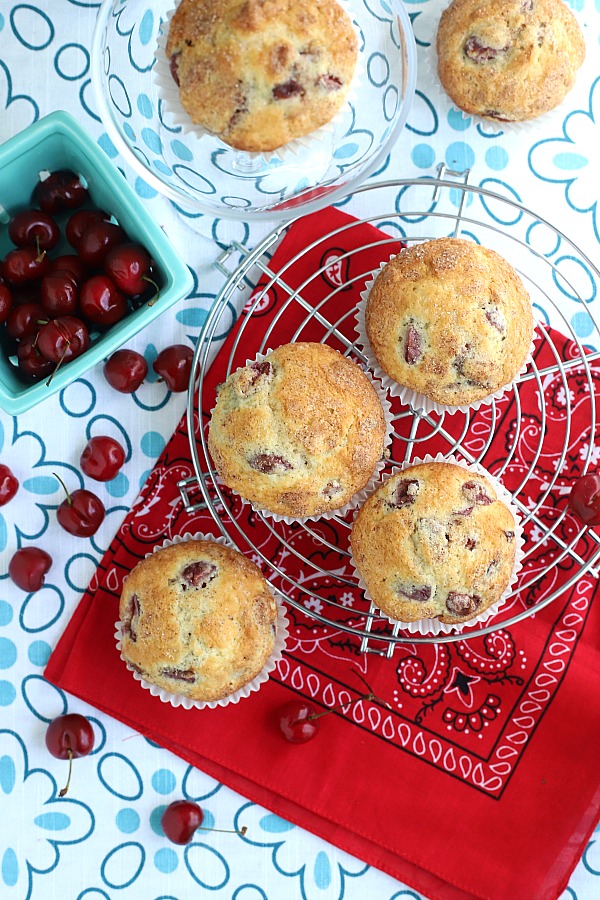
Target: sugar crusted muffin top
{"points": [[298, 433], [260, 73], [449, 319], [510, 60], [197, 618], [434, 541]]}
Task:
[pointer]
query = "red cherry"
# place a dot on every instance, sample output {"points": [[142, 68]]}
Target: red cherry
{"points": [[30, 360], [60, 190], [69, 737], [180, 820], [298, 721], [81, 513], [25, 293], [584, 499], [28, 567], [97, 240], [102, 458], [174, 365], [63, 338], [101, 302], [80, 221], [33, 228], [125, 370], [58, 294], [9, 485], [25, 320], [129, 266], [72, 264], [6, 302], [25, 264]]}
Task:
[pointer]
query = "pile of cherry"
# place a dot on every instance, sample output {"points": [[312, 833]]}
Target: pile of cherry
{"points": [[51, 305]]}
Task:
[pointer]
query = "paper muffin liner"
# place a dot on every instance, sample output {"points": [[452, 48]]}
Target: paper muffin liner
{"points": [[551, 120], [180, 700], [174, 112], [434, 626], [357, 499], [420, 402]]}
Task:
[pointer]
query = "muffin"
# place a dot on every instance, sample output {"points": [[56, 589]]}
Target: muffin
{"points": [[434, 542], [510, 60], [450, 320], [197, 619], [299, 432], [260, 73]]}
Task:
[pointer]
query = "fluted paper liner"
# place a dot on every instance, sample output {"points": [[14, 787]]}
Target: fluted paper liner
{"points": [[243, 692], [434, 626]]}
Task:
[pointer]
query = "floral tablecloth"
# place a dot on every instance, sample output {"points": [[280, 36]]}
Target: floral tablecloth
{"points": [[108, 842]]}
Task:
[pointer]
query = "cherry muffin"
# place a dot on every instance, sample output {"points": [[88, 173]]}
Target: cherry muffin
{"points": [[299, 432], [510, 60], [197, 619], [450, 320], [259, 73], [435, 542]]}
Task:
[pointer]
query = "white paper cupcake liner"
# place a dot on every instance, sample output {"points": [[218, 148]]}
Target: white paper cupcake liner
{"points": [[178, 700], [177, 116], [551, 120], [434, 626], [357, 499], [420, 402]]}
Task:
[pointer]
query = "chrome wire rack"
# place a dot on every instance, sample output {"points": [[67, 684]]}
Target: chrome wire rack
{"points": [[536, 440]]}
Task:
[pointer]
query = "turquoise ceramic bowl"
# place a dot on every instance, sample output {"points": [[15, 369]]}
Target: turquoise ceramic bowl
{"points": [[59, 142]]}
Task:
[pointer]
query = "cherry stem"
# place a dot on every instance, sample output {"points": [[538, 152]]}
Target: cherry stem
{"points": [[40, 253], [66, 787], [58, 365], [223, 830], [324, 712], [155, 286], [69, 500], [370, 696]]}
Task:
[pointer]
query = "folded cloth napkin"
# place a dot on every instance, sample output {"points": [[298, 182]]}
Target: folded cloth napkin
{"points": [[478, 779]]}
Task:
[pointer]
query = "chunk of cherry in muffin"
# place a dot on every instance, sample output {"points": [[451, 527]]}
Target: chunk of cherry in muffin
{"points": [[269, 463], [460, 604], [478, 51], [198, 574], [131, 617], [254, 377], [413, 343], [404, 494]]}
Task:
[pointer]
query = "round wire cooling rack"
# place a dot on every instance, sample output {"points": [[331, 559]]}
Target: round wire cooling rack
{"points": [[536, 439]]}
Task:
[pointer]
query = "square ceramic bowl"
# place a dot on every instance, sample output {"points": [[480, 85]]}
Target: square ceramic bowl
{"points": [[58, 142]]}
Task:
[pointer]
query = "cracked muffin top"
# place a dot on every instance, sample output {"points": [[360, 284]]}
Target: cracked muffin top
{"points": [[434, 541], [197, 618], [298, 433], [260, 73], [510, 60], [449, 319]]}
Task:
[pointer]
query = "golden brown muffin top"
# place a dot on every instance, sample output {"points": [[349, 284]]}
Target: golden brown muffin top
{"points": [[449, 319], [509, 60], [434, 541], [197, 618], [298, 433], [260, 73]]}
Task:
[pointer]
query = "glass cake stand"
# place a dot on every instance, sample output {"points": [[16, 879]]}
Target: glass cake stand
{"points": [[201, 173]]}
